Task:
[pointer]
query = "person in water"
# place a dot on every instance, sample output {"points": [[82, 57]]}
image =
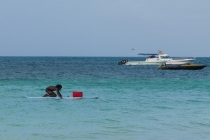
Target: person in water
{"points": [[50, 91]]}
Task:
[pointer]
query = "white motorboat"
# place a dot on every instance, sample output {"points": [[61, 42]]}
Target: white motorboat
{"points": [[157, 59]]}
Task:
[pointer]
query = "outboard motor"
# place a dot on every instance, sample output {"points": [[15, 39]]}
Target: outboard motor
{"points": [[122, 62]]}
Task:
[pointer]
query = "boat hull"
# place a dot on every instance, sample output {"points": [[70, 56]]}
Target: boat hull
{"points": [[183, 67], [179, 62], [144, 63]]}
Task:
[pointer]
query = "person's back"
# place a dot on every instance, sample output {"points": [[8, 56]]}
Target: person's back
{"points": [[50, 91]]}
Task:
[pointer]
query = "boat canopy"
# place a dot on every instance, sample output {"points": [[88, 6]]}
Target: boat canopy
{"points": [[147, 54]]}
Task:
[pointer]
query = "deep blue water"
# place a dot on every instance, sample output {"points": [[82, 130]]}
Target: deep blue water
{"points": [[135, 102]]}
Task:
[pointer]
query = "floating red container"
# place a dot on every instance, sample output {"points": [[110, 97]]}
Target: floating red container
{"points": [[77, 94]]}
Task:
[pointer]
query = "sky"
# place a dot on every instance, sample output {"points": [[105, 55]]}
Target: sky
{"points": [[104, 27]]}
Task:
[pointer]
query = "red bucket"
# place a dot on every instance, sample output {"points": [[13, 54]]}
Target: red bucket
{"points": [[77, 94]]}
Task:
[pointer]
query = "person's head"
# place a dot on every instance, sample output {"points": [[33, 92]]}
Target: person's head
{"points": [[59, 86]]}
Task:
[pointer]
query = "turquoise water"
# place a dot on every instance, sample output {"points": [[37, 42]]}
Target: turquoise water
{"points": [[135, 102]]}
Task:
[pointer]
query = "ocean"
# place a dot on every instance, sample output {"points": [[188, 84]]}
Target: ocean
{"points": [[135, 102]]}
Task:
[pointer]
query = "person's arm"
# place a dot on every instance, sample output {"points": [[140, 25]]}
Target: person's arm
{"points": [[58, 93]]}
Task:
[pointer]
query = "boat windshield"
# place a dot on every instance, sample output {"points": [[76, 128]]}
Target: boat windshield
{"points": [[165, 57], [152, 56]]}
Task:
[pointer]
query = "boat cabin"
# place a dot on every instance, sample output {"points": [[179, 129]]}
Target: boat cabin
{"points": [[152, 56], [164, 56]]}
